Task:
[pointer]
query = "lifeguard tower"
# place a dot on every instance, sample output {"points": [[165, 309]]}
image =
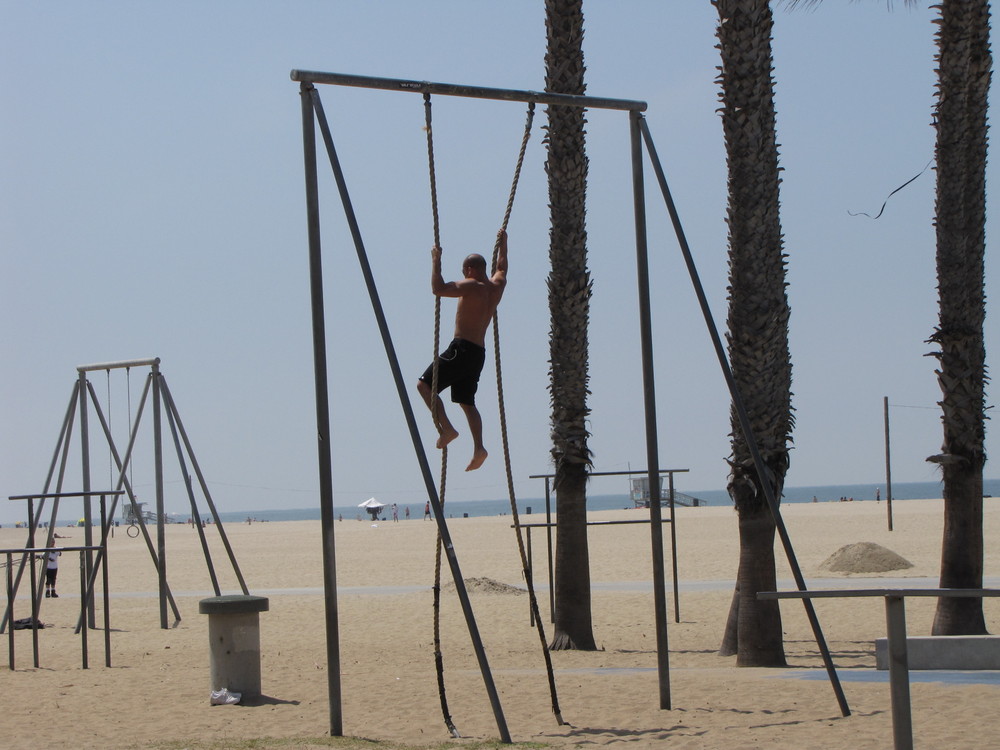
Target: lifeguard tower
{"points": [[639, 494]]}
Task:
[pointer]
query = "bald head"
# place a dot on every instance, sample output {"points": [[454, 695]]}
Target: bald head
{"points": [[474, 263]]}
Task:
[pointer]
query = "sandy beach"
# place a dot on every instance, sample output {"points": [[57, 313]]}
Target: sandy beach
{"points": [[156, 693]]}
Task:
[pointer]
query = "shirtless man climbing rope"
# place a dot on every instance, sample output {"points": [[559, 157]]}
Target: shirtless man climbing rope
{"points": [[462, 362]]}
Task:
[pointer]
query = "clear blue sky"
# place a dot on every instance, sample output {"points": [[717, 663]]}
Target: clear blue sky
{"points": [[151, 204]]}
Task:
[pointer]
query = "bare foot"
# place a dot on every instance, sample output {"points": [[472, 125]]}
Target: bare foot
{"points": [[477, 459], [446, 437]]}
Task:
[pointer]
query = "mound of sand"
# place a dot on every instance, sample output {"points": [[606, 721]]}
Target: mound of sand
{"points": [[485, 586], [864, 557]]}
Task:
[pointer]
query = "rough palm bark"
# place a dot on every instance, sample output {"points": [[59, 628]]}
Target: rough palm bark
{"points": [[964, 71], [569, 288], [757, 321]]}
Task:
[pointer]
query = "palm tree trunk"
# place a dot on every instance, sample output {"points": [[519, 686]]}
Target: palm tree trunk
{"points": [[569, 308], [573, 623], [758, 318], [758, 634], [964, 71]]}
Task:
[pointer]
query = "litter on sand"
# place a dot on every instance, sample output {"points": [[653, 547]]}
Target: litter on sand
{"points": [[225, 698]]}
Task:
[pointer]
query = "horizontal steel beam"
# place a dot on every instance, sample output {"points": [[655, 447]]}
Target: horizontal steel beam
{"points": [[118, 365], [591, 523], [897, 593], [613, 473], [474, 92], [39, 550], [59, 495]]}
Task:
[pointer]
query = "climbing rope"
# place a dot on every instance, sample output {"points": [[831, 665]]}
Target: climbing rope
{"points": [[438, 658], [525, 565]]}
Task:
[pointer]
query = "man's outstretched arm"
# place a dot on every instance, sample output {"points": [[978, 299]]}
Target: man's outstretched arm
{"points": [[500, 274], [437, 280], [439, 286]]}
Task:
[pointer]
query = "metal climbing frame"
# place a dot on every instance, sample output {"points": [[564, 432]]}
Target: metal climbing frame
{"points": [[32, 554], [162, 401], [548, 526], [312, 112]]}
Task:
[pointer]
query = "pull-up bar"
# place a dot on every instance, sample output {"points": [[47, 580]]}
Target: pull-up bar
{"points": [[475, 92], [658, 577], [152, 362]]}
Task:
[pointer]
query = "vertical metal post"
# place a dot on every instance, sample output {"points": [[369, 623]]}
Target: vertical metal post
{"points": [[899, 673], [161, 538], [322, 410], [673, 548], [34, 587], [531, 577], [548, 536], [649, 398], [34, 611], [85, 597], [103, 557], [10, 611], [88, 534], [888, 466]]}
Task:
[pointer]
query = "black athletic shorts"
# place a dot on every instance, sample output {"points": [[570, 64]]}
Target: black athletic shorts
{"points": [[459, 369]]}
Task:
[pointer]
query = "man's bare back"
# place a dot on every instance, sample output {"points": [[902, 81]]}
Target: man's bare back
{"points": [[476, 307], [478, 297]]}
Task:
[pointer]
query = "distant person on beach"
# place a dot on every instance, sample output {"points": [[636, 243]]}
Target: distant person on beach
{"points": [[461, 363], [51, 571], [395, 513], [406, 511], [427, 510]]}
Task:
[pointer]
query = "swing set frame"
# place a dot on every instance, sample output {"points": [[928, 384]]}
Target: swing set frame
{"points": [[640, 139]]}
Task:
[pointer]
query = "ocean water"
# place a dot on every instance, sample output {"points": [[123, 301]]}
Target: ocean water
{"points": [[500, 507], [474, 508]]}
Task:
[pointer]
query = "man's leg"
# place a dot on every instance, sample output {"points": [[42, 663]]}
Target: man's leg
{"points": [[479, 453], [447, 432]]}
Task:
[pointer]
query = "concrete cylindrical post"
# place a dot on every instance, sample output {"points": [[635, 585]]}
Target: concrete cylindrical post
{"points": [[234, 641]]}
